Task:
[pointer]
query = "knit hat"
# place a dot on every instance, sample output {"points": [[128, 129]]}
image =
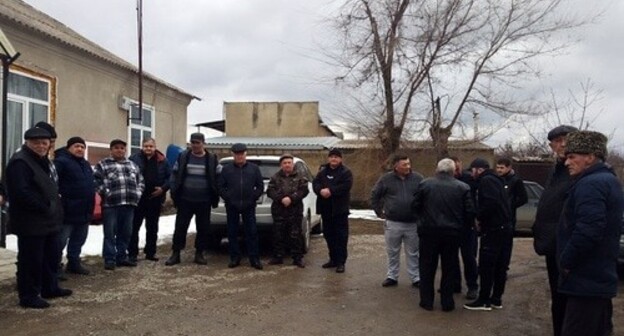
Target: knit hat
{"points": [[560, 130], [587, 142], [49, 128], [335, 151], [74, 140], [479, 163], [36, 133]]}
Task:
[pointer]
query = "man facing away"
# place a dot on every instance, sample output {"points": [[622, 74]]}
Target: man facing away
{"points": [[156, 172], [588, 237], [391, 199], [241, 184], [547, 217], [287, 188], [332, 185], [120, 184], [77, 190], [445, 205], [36, 215], [493, 221], [194, 192]]}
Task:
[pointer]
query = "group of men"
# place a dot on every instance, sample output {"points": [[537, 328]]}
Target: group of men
{"points": [[52, 204], [577, 228]]}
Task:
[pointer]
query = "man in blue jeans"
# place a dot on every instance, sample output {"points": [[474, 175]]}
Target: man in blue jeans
{"points": [[119, 182], [240, 185]]}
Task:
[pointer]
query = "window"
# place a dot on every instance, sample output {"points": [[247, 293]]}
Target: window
{"points": [[96, 152], [28, 103], [140, 129]]}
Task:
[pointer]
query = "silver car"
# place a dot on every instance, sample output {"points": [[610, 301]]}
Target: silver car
{"points": [[525, 215], [269, 165]]}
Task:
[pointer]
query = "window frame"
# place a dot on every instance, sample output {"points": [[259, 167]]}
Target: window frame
{"points": [[132, 125]]}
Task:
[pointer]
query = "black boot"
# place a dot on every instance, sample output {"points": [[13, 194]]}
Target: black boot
{"points": [[174, 259], [200, 259], [75, 267]]}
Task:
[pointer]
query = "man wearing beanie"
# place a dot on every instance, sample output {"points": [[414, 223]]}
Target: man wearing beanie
{"points": [[547, 217], [77, 191], [36, 216], [493, 221], [332, 185], [588, 236]]}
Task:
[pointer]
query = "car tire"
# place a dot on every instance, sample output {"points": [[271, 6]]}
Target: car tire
{"points": [[306, 230], [318, 228]]}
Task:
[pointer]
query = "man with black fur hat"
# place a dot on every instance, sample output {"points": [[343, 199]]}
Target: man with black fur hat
{"points": [[36, 216], [493, 221], [588, 236], [547, 216], [77, 191], [332, 185]]}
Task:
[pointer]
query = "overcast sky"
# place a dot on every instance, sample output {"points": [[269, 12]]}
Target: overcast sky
{"points": [[267, 50]]}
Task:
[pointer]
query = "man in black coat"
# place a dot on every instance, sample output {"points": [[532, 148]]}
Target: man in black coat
{"points": [[493, 221], [36, 215], [332, 185], [547, 217], [156, 173], [241, 184]]}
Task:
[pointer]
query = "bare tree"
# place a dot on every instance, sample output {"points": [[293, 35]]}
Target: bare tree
{"points": [[405, 56]]}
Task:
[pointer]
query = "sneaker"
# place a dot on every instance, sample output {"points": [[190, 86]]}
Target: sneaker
{"points": [[472, 294], [389, 283], [478, 305], [496, 303]]}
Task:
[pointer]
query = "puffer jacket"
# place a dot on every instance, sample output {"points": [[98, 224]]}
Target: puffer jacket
{"points": [[392, 196], [294, 186], [588, 234], [444, 205], [240, 186], [76, 187]]}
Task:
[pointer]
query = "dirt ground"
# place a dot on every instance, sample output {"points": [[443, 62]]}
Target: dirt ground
{"points": [[189, 299]]}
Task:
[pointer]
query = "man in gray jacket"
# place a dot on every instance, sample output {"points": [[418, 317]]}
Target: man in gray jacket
{"points": [[391, 199]]}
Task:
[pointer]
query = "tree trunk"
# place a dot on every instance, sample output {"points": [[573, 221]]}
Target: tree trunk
{"points": [[440, 138]]}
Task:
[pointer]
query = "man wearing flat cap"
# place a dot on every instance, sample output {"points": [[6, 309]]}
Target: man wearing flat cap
{"points": [[120, 184], [241, 184], [36, 215], [193, 186], [547, 217], [493, 222], [588, 236], [332, 185]]}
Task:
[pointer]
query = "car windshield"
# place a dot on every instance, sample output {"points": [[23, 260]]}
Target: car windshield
{"points": [[267, 168]]}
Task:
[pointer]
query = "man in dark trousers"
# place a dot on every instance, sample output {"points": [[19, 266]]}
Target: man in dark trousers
{"points": [[194, 191], [445, 206], [588, 237], [493, 221], [332, 185], [287, 188], [547, 217], [36, 216], [240, 185], [156, 173]]}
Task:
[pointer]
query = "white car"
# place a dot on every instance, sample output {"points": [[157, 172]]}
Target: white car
{"points": [[269, 165]]}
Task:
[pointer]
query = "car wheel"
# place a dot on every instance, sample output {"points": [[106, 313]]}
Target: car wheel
{"points": [[305, 227], [318, 228]]}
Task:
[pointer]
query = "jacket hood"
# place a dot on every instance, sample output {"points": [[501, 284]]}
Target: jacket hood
{"points": [[62, 152]]}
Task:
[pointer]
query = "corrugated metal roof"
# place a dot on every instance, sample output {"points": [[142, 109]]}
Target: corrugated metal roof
{"points": [[25, 15], [278, 143], [453, 144]]}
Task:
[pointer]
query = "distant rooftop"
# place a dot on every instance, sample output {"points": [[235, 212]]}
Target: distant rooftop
{"points": [[281, 143]]}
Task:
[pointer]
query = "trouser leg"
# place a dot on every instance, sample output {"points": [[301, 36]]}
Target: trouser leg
{"points": [[251, 233], [109, 226], [428, 265], [202, 222], [124, 231], [586, 316], [342, 238], [393, 236], [329, 234], [182, 222], [77, 238], [30, 250], [468, 248], [502, 264], [49, 264], [295, 236], [558, 300], [488, 258], [151, 226], [139, 214], [448, 255], [411, 244], [233, 218], [278, 236]]}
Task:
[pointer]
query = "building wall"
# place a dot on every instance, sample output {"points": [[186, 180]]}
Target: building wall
{"points": [[273, 119], [88, 91]]}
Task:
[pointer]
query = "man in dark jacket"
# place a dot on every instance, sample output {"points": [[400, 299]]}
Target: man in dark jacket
{"points": [[332, 185], [493, 221], [287, 188], [36, 215], [240, 184], [194, 191], [391, 199], [513, 185], [445, 206], [588, 236], [547, 216], [156, 172], [77, 191]]}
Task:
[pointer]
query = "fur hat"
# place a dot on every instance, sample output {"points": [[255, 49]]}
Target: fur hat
{"points": [[587, 142], [49, 128], [560, 130]]}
